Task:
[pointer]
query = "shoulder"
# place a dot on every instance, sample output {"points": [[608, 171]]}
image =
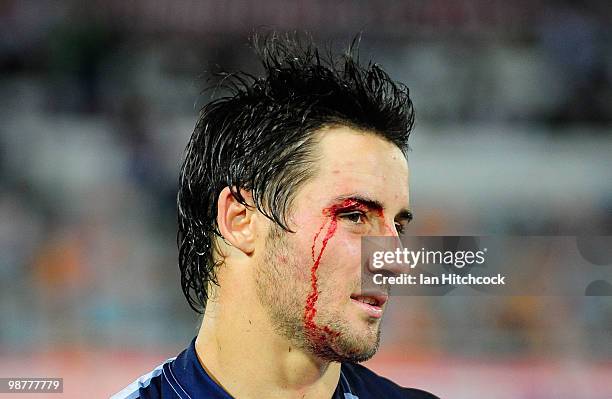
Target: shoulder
{"points": [[180, 377], [148, 386], [366, 384]]}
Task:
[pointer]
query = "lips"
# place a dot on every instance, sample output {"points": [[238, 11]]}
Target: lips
{"points": [[370, 303], [374, 300]]}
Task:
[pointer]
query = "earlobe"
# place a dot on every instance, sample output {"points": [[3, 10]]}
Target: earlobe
{"points": [[236, 221]]}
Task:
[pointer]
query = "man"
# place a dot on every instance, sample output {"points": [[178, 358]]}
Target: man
{"points": [[281, 179]]}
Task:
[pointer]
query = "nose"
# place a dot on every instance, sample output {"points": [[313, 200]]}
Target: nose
{"points": [[379, 257], [384, 254]]}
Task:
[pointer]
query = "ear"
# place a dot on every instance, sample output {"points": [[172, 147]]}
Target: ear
{"points": [[236, 221]]}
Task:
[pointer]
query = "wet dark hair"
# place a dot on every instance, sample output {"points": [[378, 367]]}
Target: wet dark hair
{"points": [[259, 138]]}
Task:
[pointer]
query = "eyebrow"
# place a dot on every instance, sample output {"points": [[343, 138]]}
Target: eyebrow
{"points": [[371, 203]]}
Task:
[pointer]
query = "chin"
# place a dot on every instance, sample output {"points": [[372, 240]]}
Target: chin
{"points": [[360, 349], [357, 342]]}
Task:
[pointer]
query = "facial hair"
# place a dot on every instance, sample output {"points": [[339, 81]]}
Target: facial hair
{"points": [[283, 284]]}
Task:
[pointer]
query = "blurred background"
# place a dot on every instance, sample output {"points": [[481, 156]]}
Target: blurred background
{"points": [[98, 99]]}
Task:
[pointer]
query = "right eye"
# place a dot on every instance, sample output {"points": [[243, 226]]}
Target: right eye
{"points": [[355, 217]]}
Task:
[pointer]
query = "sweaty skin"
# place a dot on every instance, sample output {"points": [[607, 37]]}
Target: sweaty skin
{"points": [[316, 332], [313, 280]]}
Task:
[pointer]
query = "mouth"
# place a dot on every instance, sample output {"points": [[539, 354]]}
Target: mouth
{"points": [[371, 303]]}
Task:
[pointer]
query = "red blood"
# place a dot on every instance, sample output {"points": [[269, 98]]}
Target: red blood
{"points": [[334, 210], [318, 333], [310, 310], [388, 228], [314, 241]]}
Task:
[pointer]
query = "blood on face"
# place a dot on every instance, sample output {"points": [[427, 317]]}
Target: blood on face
{"points": [[321, 333]]}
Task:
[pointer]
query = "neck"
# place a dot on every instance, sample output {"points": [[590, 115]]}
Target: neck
{"points": [[242, 352]]}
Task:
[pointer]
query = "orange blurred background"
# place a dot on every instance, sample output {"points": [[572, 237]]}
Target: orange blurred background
{"points": [[98, 99]]}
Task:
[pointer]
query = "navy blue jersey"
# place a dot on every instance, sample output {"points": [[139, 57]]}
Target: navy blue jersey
{"points": [[184, 377]]}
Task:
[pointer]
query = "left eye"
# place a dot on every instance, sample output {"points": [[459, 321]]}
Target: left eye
{"points": [[355, 217]]}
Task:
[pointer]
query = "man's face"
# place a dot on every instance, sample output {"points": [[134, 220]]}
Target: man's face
{"points": [[309, 281]]}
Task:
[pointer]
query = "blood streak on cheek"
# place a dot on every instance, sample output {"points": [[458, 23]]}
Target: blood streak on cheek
{"points": [[314, 241], [316, 332]]}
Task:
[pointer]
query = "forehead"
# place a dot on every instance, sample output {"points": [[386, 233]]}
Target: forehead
{"points": [[360, 162]]}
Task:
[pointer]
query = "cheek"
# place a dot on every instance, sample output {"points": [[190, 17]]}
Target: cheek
{"points": [[296, 258], [352, 248], [304, 246], [344, 260]]}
